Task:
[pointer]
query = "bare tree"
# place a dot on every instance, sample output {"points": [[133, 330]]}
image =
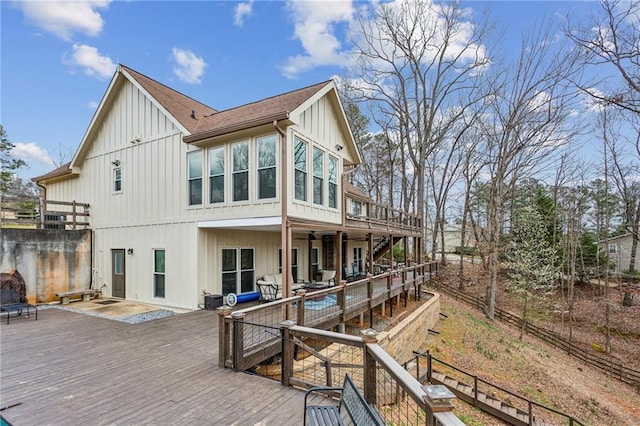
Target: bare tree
{"points": [[415, 62], [611, 42], [529, 114], [624, 167]]}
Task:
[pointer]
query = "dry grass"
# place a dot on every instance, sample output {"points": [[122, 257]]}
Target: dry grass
{"points": [[533, 369]]}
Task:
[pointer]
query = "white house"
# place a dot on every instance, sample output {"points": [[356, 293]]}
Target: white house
{"points": [[619, 251], [186, 199]]}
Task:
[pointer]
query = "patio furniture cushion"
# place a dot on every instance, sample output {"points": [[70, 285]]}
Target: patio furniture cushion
{"points": [[273, 279]]}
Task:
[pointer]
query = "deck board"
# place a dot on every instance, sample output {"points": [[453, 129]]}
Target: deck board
{"points": [[67, 368]]}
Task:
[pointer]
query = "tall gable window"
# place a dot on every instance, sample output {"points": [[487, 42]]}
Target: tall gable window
{"points": [[117, 179], [240, 157], [300, 165], [267, 167], [318, 176], [216, 175], [195, 177], [333, 182]]}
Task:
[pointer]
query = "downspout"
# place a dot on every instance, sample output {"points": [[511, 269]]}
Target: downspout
{"points": [[345, 173], [285, 242]]}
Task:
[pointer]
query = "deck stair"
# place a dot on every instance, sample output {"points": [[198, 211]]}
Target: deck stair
{"points": [[382, 246], [485, 402]]}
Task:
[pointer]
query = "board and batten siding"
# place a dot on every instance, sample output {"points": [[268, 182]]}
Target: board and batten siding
{"points": [[317, 125], [181, 262]]}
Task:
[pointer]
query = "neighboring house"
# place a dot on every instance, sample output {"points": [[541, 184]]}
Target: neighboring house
{"points": [[619, 250], [185, 199], [452, 235]]}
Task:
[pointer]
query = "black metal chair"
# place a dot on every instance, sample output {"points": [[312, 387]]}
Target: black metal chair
{"points": [[10, 301], [269, 292]]}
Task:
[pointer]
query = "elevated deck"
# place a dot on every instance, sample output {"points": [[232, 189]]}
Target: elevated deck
{"points": [[69, 368]]}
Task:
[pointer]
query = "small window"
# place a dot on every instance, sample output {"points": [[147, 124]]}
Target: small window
{"points": [[318, 176], [216, 175], [195, 177], [613, 248], [356, 208], [300, 165], [267, 167], [240, 171], [117, 179], [333, 182], [158, 273]]}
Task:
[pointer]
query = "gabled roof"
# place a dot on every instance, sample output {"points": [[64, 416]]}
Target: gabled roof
{"points": [[198, 121], [180, 106], [352, 190], [60, 171], [253, 114]]}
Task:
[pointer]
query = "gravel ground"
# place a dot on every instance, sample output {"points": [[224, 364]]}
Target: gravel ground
{"points": [[129, 319]]}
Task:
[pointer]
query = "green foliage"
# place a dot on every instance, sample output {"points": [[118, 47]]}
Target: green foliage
{"points": [[593, 260], [9, 164], [530, 259]]}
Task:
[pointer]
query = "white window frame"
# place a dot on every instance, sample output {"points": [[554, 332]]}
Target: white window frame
{"points": [[357, 257], [238, 271], [333, 182], [304, 171], [217, 175], [191, 178], [259, 168], [315, 150], [163, 274], [235, 172], [117, 180]]}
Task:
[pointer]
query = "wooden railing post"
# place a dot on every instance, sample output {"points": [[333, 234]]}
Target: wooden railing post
{"points": [[73, 214], [224, 348], [301, 307], [369, 336], [238, 339], [287, 351], [475, 391], [429, 367], [42, 211]]}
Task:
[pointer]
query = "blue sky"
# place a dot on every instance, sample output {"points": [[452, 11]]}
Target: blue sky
{"points": [[58, 57]]}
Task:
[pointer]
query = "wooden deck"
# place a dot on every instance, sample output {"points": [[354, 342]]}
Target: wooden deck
{"points": [[70, 369]]}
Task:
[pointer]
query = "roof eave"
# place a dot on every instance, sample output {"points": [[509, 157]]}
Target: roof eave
{"points": [[247, 124]]}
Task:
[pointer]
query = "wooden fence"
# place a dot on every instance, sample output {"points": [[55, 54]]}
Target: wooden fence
{"points": [[38, 213], [606, 364]]}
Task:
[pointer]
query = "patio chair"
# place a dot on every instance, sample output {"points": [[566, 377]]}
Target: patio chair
{"points": [[329, 277], [10, 301], [269, 292]]}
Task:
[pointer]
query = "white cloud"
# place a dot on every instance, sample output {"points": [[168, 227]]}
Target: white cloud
{"points": [[94, 64], [314, 26], [63, 18], [189, 67], [242, 10], [93, 104], [31, 153]]}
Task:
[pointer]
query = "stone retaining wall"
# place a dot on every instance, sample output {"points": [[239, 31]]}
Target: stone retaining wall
{"points": [[412, 332]]}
